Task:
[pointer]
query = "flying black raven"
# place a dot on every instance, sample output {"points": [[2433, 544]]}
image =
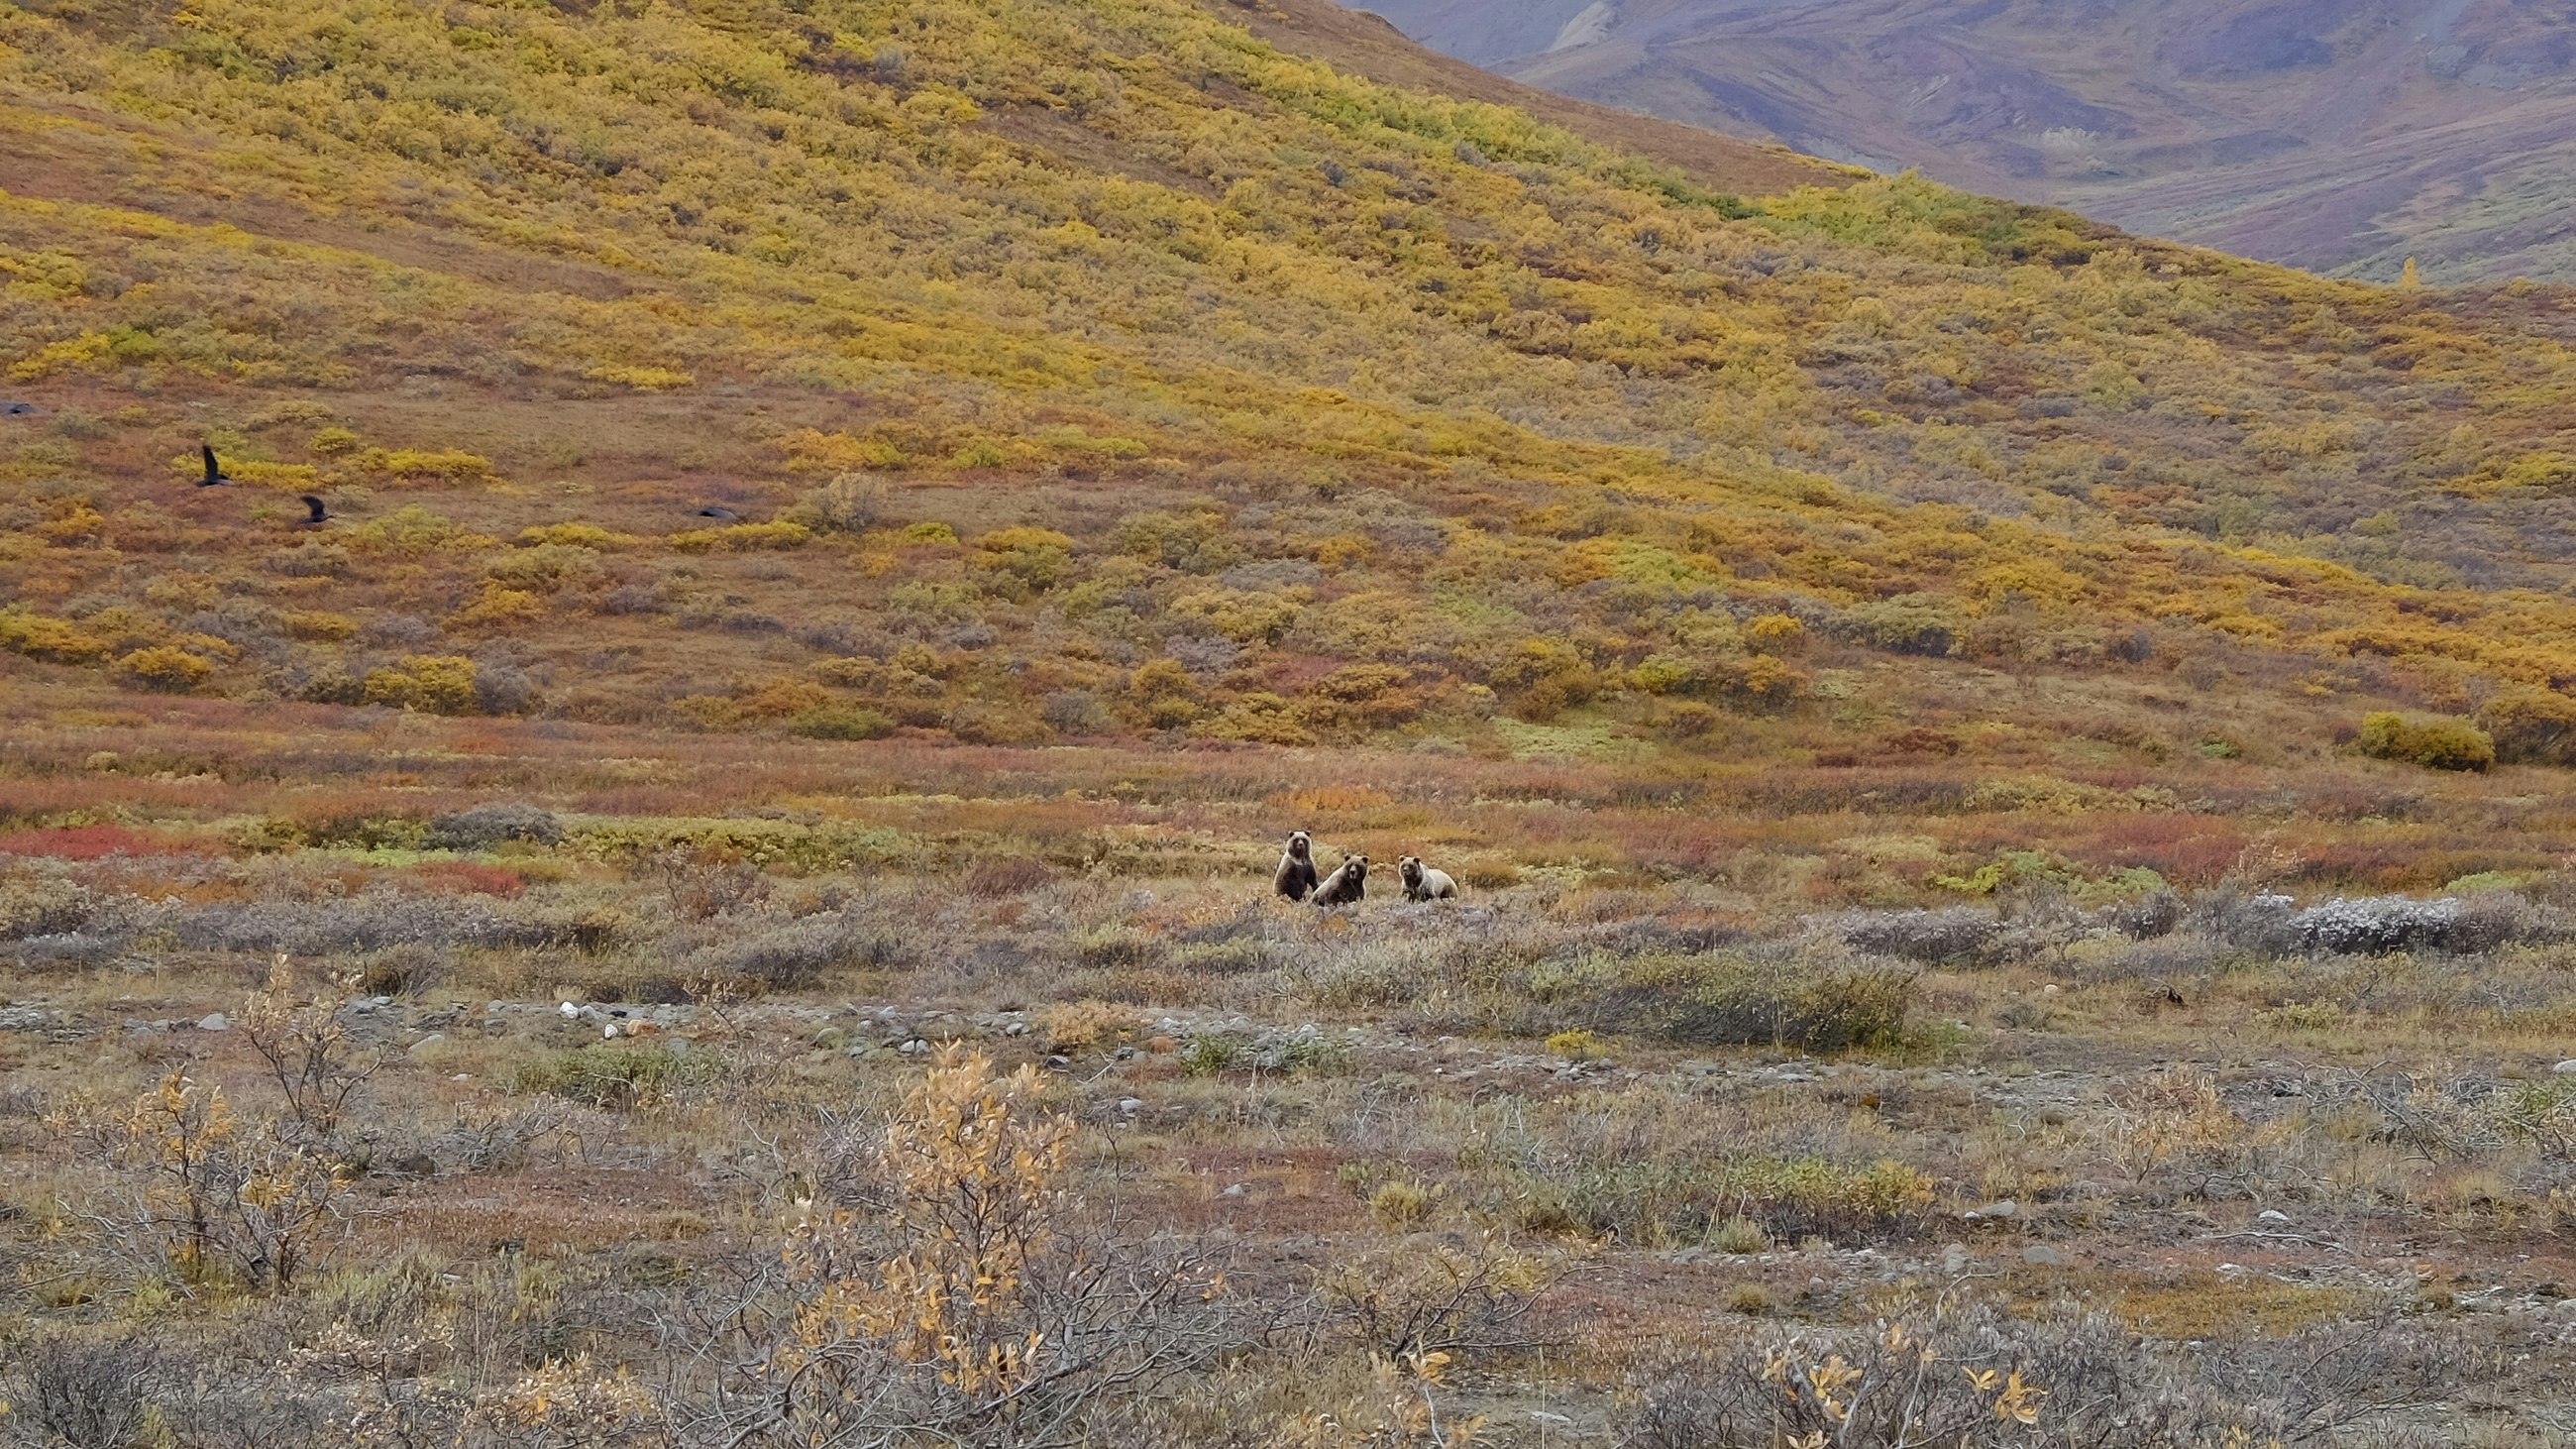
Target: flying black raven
{"points": [[214, 474], [320, 514]]}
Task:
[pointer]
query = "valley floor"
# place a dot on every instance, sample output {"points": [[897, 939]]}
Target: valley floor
{"points": [[426, 1088]]}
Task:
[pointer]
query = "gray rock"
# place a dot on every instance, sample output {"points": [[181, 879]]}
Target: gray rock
{"points": [[1954, 1259], [2041, 1255], [1999, 1210], [1130, 1106], [425, 1043], [914, 1047], [216, 1021], [2566, 1068], [2272, 1215]]}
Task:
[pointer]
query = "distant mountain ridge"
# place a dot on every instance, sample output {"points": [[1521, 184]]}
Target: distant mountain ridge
{"points": [[2338, 137]]}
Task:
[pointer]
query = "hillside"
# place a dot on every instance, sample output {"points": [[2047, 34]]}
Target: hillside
{"points": [[1076, 372], [2343, 138]]}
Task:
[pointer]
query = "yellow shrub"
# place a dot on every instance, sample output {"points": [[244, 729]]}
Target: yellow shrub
{"points": [[322, 627], [1663, 674], [40, 637], [446, 465], [809, 451], [648, 379], [498, 607], [1774, 634], [1245, 618], [1163, 696], [431, 683], [73, 522], [1030, 558], [164, 668], [413, 530], [743, 538], [2441, 744], [1259, 716], [2531, 726], [545, 568]]}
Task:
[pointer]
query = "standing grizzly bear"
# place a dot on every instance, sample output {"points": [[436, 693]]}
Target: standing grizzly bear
{"points": [[1295, 877], [1345, 885], [1422, 883]]}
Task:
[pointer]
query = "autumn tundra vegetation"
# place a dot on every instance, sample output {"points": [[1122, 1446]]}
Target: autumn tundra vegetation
{"points": [[2000, 785]]}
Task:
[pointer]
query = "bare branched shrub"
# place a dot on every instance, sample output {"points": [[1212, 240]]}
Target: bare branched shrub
{"points": [[1723, 998], [1959, 935], [567, 1405], [1984, 1377], [853, 502], [763, 953], [210, 1199], [2173, 1117], [1424, 1297], [963, 1294], [307, 1047], [91, 1395], [701, 884], [370, 921], [486, 826]]}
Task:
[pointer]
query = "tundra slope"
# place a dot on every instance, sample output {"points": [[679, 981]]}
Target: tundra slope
{"points": [[1061, 372]]}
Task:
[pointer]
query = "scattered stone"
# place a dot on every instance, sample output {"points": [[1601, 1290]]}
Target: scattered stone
{"points": [[2566, 1068], [2272, 1215], [569, 1010], [215, 1021], [462, 1077], [1954, 1259], [1130, 1106], [1234, 1190], [425, 1043], [2041, 1255], [914, 1047]]}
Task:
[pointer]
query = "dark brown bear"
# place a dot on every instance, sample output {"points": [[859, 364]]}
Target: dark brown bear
{"points": [[1345, 885], [1295, 877]]}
